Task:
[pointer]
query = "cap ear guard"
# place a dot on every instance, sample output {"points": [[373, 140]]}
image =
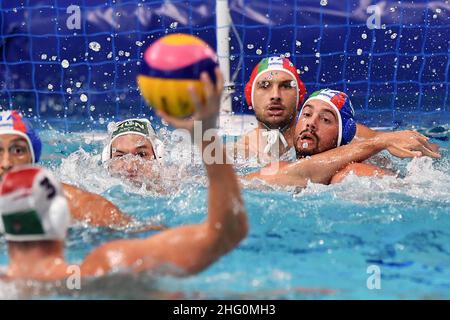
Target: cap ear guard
{"points": [[36, 143], [59, 223], [159, 149], [348, 131], [57, 214], [249, 85], [348, 122], [2, 227], [106, 153]]}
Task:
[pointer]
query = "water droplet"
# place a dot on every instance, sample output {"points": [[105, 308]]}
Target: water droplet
{"points": [[50, 86], [306, 68], [95, 46], [364, 36], [43, 56], [139, 43], [250, 46], [258, 51], [83, 98], [121, 52], [323, 2], [298, 43], [174, 25], [109, 56], [438, 10], [65, 63], [92, 108], [393, 36], [359, 52], [317, 54]]}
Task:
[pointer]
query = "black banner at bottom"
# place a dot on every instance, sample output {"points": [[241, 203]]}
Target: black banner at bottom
{"points": [[216, 309]]}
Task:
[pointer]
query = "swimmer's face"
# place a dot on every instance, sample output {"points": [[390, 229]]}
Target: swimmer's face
{"points": [[132, 157], [317, 129], [14, 151], [275, 98]]}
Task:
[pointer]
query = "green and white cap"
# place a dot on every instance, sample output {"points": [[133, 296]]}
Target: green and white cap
{"points": [[137, 126]]}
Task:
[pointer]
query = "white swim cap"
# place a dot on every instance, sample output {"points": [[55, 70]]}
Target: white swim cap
{"points": [[138, 126], [32, 206]]}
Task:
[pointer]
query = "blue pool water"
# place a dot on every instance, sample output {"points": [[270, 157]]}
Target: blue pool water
{"points": [[317, 243]]}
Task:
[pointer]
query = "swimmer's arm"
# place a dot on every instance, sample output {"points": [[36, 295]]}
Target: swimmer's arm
{"points": [[200, 245], [189, 248], [93, 208], [321, 167], [364, 132]]}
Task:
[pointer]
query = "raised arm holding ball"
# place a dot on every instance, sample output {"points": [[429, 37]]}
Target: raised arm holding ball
{"points": [[36, 250]]}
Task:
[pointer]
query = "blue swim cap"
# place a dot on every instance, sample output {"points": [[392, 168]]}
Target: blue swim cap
{"points": [[11, 122], [342, 105]]}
